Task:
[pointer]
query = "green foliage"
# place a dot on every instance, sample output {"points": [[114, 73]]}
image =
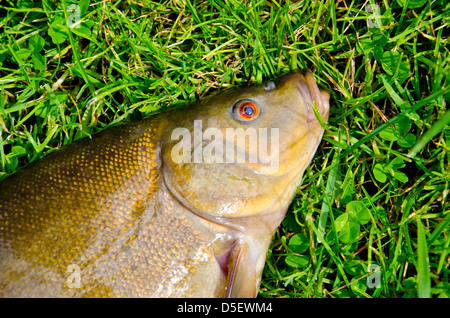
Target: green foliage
{"points": [[377, 190]]}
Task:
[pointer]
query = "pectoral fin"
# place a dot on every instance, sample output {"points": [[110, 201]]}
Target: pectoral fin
{"points": [[242, 279], [243, 261]]}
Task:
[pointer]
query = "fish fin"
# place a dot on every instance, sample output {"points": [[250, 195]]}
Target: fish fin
{"points": [[241, 281]]}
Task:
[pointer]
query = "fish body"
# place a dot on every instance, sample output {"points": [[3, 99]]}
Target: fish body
{"points": [[147, 209]]}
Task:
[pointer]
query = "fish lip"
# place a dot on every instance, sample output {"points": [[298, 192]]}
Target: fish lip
{"points": [[305, 83]]}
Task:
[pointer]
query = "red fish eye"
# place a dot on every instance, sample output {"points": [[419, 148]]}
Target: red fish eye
{"points": [[248, 111]]}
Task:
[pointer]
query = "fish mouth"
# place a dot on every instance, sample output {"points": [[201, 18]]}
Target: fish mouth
{"points": [[305, 83]]}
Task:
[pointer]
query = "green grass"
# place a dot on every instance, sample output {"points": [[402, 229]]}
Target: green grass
{"points": [[377, 190]]}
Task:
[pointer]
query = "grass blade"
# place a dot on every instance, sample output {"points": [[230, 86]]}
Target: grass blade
{"points": [[437, 127], [423, 268], [441, 227], [327, 202], [395, 119]]}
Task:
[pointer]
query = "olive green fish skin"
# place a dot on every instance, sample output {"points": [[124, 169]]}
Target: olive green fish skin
{"points": [[114, 216]]}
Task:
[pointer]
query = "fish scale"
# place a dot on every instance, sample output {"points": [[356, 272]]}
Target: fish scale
{"points": [[116, 215], [108, 224]]}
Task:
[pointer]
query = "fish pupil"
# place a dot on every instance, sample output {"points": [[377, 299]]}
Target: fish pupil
{"points": [[248, 110]]}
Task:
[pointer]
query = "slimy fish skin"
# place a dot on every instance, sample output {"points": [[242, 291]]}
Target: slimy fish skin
{"points": [[123, 214]]}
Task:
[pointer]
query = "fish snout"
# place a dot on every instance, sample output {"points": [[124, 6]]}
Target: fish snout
{"points": [[305, 83]]}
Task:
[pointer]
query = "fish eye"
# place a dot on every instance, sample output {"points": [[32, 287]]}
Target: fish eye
{"points": [[245, 110]]}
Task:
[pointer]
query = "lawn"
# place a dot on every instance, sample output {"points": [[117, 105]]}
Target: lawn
{"points": [[372, 214]]}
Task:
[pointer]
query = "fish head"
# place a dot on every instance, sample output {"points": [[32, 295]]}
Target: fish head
{"points": [[243, 152]]}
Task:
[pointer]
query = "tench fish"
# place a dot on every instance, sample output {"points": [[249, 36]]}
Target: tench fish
{"points": [[183, 203]]}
